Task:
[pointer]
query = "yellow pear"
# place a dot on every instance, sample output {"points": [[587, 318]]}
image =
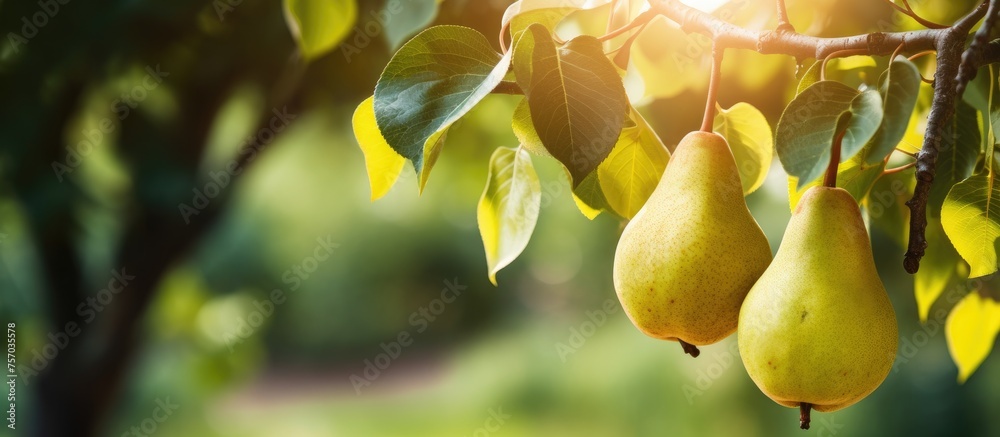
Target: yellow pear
{"points": [[818, 330], [690, 255]]}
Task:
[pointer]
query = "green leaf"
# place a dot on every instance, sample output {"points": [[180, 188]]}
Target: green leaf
{"points": [[971, 218], [939, 268], [508, 208], [589, 197], [749, 136], [633, 169], [971, 330], [576, 98], [319, 25], [957, 155], [886, 205], [811, 76], [836, 70], [899, 97], [809, 123], [866, 118], [404, 18], [383, 163], [525, 131], [431, 82]]}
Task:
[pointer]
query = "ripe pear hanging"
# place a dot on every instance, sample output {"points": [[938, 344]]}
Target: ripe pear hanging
{"points": [[817, 330], [690, 255]]}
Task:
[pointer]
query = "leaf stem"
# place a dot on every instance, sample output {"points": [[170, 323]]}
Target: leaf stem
{"points": [[713, 88], [908, 11], [640, 20], [689, 348], [840, 54], [830, 180], [919, 55], [900, 168], [804, 418]]}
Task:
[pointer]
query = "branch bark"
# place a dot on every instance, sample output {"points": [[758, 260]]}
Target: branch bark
{"points": [[948, 42]]}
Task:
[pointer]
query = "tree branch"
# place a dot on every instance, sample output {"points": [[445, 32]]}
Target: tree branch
{"points": [[973, 57], [790, 43], [949, 53], [948, 42], [783, 24]]}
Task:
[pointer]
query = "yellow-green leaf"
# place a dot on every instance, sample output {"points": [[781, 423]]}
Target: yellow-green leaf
{"points": [[588, 196], [633, 169], [383, 163], [319, 25], [749, 136], [886, 205], [971, 330], [525, 131], [971, 218], [508, 208], [938, 269]]}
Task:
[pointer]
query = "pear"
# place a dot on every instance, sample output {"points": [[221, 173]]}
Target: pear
{"points": [[818, 330], [690, 255]]}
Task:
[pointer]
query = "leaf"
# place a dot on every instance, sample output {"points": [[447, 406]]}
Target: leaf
{"points": [[866, 118], [971, 218], [971, 330], [383, 163], [899, 97], [749, 136], [404, 18], [633, 169], [807, 127], [521, 14], [811, 76], [886, 205], [319, 25], [836, 70], [938, 269], [431, 82], [525, 131], [589, 197], [957, 155], [508, 208], [576, 98]]}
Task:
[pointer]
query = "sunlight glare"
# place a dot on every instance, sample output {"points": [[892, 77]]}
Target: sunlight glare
{"points": [[705, 5]]}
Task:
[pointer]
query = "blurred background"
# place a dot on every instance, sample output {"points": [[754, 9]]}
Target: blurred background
{"points": [[163, 281]]}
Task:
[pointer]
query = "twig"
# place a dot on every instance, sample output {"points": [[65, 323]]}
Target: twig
{"points": [[784, 25], [909, 12], [842, 54], [919, 55], [899, 169], [788, 43], [640, 20], [972, 58]]}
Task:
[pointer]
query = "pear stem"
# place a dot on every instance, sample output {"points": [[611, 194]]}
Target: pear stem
{"points": [[689, 348], [804, 415], [830, 180], [713, 88]]}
